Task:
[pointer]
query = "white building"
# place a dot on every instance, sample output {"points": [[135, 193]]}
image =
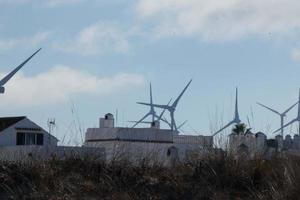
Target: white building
{"points": [[139, 143], [251, 145], [17, 131], [247, 144]]}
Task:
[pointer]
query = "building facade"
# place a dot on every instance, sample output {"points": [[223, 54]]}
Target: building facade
{"points": [[140, 143], [20, 131]]}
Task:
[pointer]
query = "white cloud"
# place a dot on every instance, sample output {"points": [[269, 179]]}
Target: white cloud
{"points": [[97, 38], [221, 20], [59, 83], [35, 41]]}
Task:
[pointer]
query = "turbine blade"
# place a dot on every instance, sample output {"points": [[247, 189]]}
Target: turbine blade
{"points": [[151, 106], [155, 105], [12, 73], [151, 100], [287, 110], [178, 98], [294, 120], [272, 110], [162, 113], [167, 122], [226, 126], [299, 105], [236, 102], [181, 125], [140, 120]]}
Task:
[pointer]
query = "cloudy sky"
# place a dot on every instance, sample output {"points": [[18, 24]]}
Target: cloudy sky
{"points": [[99, 56]]}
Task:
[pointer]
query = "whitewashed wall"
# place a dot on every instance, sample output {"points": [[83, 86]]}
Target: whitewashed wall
{"points": [[41, 153]]}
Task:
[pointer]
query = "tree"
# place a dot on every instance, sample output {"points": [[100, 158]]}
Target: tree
{"points": [[240, 129]]}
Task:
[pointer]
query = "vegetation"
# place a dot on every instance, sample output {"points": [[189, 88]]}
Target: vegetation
{"points": [[211, 178], [241, 128]]}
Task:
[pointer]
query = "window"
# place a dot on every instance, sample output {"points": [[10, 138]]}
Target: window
{"points": [[30, 139], [25, 138], [20, 138], [39, 139]]}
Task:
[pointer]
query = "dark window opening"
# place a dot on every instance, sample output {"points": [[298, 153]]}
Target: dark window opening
{"points": [[39, 139], [24, 138], [30, 139], [20, 138]]}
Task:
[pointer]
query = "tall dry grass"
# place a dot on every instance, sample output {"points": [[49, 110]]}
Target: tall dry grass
{"points": [[209, 178]]}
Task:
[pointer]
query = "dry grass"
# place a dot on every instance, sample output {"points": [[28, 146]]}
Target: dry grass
{"points": [[222, 178]]}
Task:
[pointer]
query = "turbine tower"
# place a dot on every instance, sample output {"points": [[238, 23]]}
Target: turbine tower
{"points": [[170, 108], [281, 115], [297, 119], [12, 73], [236, 117]]}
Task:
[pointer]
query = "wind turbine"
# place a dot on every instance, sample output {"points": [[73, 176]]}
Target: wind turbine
{"points": [[281, 115], [151, 113], [236, 117], [12, 73], [170, 108], [297, 119]]}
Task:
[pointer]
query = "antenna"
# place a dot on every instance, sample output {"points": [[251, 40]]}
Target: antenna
{"points": [[51, 124]]}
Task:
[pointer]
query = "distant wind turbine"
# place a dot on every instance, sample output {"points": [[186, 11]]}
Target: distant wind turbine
{"points": [[170, 108], [151, 113], [281, 115], [236, 117], [12, 73], [297, 119]]}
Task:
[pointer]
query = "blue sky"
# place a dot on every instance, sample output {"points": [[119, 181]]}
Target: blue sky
{"points": [[99, 56]]}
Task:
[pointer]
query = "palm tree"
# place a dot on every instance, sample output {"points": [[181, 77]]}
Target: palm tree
{"points": [[240, 129]]}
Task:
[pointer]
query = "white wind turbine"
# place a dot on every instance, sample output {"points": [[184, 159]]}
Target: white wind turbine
{"points": [[297, 119], [12, 73], [170, 108], [158, 118], [151, 113], [281, 115], [236, 117]]}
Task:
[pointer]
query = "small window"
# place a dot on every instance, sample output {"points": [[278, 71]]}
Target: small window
{"points": [[20, 138], [30, 139], [39, 139]]}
